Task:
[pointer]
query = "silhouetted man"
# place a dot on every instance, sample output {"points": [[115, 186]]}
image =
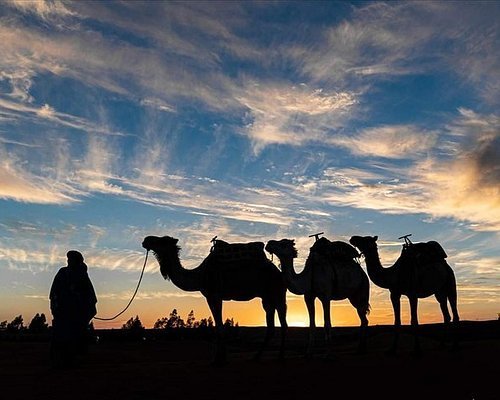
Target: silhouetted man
{"points": [[73, 305]]}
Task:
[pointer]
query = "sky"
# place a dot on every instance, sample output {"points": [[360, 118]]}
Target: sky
{"points": [[250, 121]]}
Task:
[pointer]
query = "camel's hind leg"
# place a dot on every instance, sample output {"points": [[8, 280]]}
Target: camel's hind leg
{"points": [[362, 305], [414, 323], [452, 298], [269, 309], [362, 311], [327, 324], [442, 299]]}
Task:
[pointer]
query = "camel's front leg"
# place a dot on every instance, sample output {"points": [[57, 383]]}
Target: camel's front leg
{"points": [[327, 319], [284, 328], [309, 299], [396, 306], [215, 305], [327, 322], [414, 322]]}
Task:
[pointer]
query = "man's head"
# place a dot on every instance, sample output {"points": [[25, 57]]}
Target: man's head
{"points": [[74, 257]]}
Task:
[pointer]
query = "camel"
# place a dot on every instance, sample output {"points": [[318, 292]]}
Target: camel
{"points": [[420, 271], [327, 275], [222, 276]]}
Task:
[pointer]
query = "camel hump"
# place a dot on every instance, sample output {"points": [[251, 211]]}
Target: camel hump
{"points": [[429, 251], [238, 252], [337, 249], [343, 249]]}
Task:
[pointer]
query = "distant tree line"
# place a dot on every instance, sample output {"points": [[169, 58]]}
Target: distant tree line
{"points": [[171, 327], [133, 326], [174, 321], [37, 325]]}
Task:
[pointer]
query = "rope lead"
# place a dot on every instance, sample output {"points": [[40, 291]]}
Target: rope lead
{"points": [[133, 296]]}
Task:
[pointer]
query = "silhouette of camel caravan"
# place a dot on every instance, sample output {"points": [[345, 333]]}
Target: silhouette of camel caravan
{"points": [[238, 272]]}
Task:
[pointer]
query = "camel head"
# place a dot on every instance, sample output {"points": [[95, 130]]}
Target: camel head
{"points": [[364, 243], [156, 243], [161, 247], [282, 248]]}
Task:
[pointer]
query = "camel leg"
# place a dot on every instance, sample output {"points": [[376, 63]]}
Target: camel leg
{"points": [[414, 323], [452, 298], [362, 311], [220, 346], [312, 323], [270, 328], [327, 319], [396, 306], [442, 299], [328, 324], [283, 328]]}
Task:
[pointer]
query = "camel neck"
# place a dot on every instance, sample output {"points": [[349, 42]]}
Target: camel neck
{"points": [[376, 272], [185, 279], [296, 283]]}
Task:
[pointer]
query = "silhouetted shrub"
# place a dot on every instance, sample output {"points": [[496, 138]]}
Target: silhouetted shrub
{"points": [[191, 320], [133, 324], [173, 321], [38, 324], [16, 325]]}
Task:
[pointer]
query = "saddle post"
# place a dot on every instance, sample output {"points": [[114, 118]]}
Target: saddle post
{"points": [[408, 242], [213, 241], [316, 235]]}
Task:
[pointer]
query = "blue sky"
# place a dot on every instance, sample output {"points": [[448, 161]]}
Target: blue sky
{"points": [[250, 121]]}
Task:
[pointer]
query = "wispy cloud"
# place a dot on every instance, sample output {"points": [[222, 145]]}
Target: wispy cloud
{"points": [[393, 141], [18, 184], [215, 198], [158, 104], [145, 73], [464, 186], [370, 45], [149, 295], [42, 8], [293, 115], [49, 116], [48, 256]]}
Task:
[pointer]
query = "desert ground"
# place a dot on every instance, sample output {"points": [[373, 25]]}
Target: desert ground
{"points": [[179, 366]]}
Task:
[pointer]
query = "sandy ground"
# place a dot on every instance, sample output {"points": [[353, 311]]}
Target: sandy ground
{"points": [[181, 368]]}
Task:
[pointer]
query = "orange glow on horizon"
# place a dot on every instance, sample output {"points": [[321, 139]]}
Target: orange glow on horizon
{"points": [[251, 313]]}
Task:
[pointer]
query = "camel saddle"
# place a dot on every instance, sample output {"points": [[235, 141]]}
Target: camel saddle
{"points": [[425, 252], [336, 249], [238, 252]]}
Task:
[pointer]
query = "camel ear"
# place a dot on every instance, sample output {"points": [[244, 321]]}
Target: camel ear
{"points": [[176, 241], [376, 238]]}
